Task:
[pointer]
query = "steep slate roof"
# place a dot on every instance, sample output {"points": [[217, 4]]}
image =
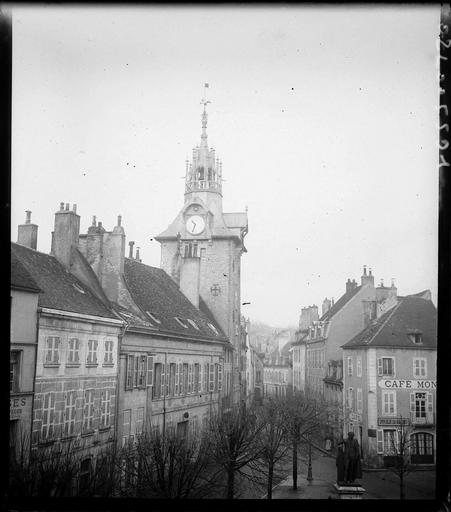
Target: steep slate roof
{"points": [[411, 314], [20, 277], [59, 288], [155, 292], [344, 299]]}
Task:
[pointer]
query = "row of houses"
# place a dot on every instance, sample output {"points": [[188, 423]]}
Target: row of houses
{"points": [[104, 346], [372, 357]]}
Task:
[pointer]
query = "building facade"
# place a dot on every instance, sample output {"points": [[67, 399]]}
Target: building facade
{"points": [[390, 382], [172, 353], [340, 322], [77, 353], [23, 349], [201, 250]]}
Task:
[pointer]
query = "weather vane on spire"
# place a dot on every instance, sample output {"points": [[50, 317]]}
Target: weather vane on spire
{"points": [[204, 101]]}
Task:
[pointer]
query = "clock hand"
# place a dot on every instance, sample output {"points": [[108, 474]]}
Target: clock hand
{"points": [[194, 224]]}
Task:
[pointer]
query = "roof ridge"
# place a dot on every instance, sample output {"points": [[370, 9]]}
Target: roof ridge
{"points": [[384, 322]]}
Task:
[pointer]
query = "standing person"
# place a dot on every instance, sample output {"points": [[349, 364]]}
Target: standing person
{"points": [[340, 463], [353, 468]]}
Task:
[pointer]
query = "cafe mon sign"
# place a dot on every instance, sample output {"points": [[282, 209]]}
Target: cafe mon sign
{"points": [[407, 384]]}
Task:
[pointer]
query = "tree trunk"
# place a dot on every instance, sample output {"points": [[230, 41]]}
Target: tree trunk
{"points": [[402, 494], [270, 480], [230, 484], [295, 463]]}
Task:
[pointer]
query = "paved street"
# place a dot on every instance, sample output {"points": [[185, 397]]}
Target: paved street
{"points": [[378, 484]]}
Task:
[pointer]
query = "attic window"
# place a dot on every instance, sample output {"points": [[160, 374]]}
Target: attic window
{"points": [[213, 328], [153, 317], [193, 323], [180, 321], [78, 288], [416, 337]]}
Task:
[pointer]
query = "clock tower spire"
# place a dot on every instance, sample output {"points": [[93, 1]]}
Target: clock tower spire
{"points": [[203, 176], [201, 249]]}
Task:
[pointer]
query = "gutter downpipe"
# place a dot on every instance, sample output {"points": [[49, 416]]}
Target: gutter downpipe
{"points": [[120, 337], [166, 379]]}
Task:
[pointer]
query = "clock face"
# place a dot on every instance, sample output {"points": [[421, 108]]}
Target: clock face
{"points": [[195, 224]]}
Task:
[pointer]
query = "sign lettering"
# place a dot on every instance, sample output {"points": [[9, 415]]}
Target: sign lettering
{"points": [[407, 384]]}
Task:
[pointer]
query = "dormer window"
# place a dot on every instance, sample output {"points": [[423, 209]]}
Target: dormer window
{"points": [[213, 328], [78, 288], [193, 324], [153, 317], [180, 321], [415, 337]]}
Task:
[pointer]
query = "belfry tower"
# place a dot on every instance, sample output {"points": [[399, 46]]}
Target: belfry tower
{"points": [[201, 250]]}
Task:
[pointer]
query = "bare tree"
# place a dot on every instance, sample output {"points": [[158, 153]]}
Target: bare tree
{"points": [[303, 418], [54, 470], [399, 463], [169, 466], [234, 443], [48, 471], [271, 441]]}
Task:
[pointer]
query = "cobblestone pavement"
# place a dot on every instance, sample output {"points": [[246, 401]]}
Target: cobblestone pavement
{"points": [[377, 484]]}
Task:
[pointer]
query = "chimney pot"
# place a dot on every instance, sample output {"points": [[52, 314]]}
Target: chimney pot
{"points": [[131, 244], [74, 208], [382, 283], [364, 270], [119, 220], [94, 220], [67, 206], [370, 272], [61, 206], [99, 224], [392, 282], [137, 254], [28, 219]]}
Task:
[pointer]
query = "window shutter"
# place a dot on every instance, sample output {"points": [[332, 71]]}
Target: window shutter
{"points": [[211, 386], [143, 371], [128, 372], [48, 356], [394, 367], [412, 402], [190, 377], [149, 371], [56, 348], [429, 402], [220, 377], [177, 377], [180, 366], [380, 441], [77, 350], [163, 379], [379, 366], [201, 375], [94, 359], [414, 362]]}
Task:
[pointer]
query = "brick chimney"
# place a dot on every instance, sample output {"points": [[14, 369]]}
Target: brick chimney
{"points": [[367, 278], [65, 234], [113, 261], [327, 304], [308, 316], [386, 292], [27, 234], [190, 278]]}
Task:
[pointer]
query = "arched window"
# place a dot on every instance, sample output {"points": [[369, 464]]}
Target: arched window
{"points": [[422, 448]]}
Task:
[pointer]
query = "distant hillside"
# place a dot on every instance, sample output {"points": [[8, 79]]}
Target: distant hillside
{"points": [[265, 338]]}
